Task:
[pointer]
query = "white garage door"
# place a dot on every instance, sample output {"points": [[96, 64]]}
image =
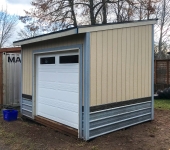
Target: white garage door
{"points": [[58, 87]]}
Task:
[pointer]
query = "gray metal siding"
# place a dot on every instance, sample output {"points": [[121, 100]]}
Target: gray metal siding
{"points": [[26, 107], [11, 78], [105, 121]]}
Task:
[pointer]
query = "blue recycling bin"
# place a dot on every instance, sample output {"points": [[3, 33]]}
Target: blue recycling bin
{"points": [[10, 114]]}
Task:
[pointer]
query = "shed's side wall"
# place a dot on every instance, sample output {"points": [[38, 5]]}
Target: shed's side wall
{"points": [[120, 64], [27, 57]]}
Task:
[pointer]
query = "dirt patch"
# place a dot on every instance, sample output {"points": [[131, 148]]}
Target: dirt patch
{"points": [[27, 135]]}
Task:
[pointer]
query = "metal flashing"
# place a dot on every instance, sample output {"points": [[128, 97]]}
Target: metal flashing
{"points": [[115, 26], [102, 122], [46, 37], [86, 86]]}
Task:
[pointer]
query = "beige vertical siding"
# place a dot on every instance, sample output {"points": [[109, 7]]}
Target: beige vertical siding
{"points": [[98, 75], [120, 64], [104, 68], [27, 57], [114, 65], [109, 64], [94, 68]]}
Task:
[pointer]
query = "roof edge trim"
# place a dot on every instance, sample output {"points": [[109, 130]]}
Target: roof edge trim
{"points": [[45, 37], [116, 26]]}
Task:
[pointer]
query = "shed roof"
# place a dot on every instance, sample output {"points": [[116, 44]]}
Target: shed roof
{"points": [[83, 29]]}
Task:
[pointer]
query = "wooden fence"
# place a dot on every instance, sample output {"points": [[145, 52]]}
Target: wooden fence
{"points": [[161, 74]]}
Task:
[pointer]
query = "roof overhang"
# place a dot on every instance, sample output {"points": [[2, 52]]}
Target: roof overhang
{"points": [[83, 29], [115, 26], [45, 37]]}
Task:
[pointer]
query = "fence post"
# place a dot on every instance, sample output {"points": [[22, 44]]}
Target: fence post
{"points": [[155, 71]]}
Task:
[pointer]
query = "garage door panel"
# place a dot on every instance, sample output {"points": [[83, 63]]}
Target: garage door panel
{"points": [[68, 97], [47, 111], [47, 93], [74, 125], [46, 115], [49, 68], [58, 90], [67, 70], [66, 116], [67, 87], [47, 101], [47, 85], [70, 78], [47, 76], [67, 106]]}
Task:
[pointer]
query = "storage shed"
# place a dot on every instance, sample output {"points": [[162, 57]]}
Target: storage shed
{"points": [[90, 80]]}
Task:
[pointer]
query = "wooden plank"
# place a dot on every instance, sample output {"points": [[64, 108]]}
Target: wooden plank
{"points": [[57, 126], [93, 69], [104, 68]]}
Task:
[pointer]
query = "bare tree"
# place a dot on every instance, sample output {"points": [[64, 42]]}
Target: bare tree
{"points": [[7, 26], [60, 14], [162, 29], [28, 32], [145, 9], [51, 15]]}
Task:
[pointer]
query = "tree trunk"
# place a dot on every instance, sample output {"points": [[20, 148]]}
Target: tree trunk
{"points": [[118, 11], [92, 18], [71, 2], [162, 25], [148, 14], [140, 12], [104, 12]]}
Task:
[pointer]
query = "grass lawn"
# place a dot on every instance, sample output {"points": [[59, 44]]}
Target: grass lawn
{"points": [[163, 104]]}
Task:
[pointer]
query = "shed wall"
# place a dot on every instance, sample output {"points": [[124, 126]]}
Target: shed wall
{"points": [[120, 64], [27, 56]]}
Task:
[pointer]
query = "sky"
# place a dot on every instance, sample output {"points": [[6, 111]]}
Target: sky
{"points": [[16, 7]]}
